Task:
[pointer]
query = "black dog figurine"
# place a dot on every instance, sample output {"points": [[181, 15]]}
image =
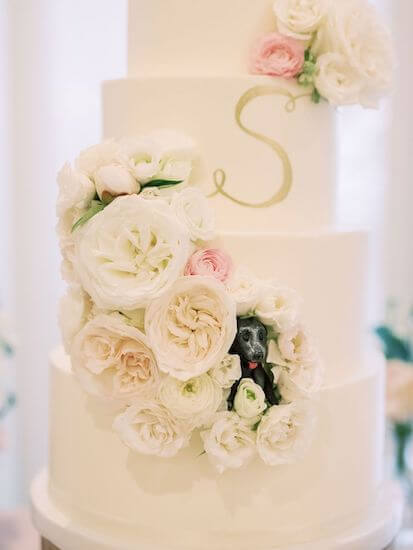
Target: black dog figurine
{"points": [[251, 345]]}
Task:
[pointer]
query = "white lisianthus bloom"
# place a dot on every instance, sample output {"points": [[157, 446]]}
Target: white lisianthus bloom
{"points": [[354, 30], [337, 81], [150, 429], [230, 442], [193, 209], [130, 253], [112, 359], [249, 400], [227, 372], [295, 345], [299, 18], [194, 401], [284, 433], [107, 165], [299, 381], [191, 327], [74, 312], [278, 307], [246, 290], [76, 191]]}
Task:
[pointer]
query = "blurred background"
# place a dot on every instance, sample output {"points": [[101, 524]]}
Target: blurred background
{"points": [[53, 58]]}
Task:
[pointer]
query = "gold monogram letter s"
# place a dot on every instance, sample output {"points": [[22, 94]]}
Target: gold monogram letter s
{"points": [[282, 192]]}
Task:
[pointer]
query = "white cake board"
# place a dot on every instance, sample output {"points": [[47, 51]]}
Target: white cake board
{"points": [[376, 532]]}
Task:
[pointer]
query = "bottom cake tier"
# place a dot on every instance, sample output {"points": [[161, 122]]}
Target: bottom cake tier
{"points": [[97, 485]]}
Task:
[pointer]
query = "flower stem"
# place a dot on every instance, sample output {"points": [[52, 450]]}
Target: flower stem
{"points": [[403, 432]]}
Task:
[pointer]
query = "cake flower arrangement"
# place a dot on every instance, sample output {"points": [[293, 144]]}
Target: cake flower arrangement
{"points": [[158, 319], [338, 49]]}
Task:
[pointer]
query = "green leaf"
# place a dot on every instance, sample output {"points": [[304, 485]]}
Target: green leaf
{"points": [[162, 183], [95, 208], [315, 96], [393, 346], [255, 426]]}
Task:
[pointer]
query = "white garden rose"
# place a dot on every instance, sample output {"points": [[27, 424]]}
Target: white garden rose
{"points": [[193, 209], [298, 381], [285, 432], [245, 289], [150, 429], [228, 371], [249, 400], [74, 312], [76, 191], [336, 80], [107, 165], [278, 307], [194, 401], [230, 442], [112, 359], [300, 18], [353, 29], [296, 346], [191, 327], [130, 253]]}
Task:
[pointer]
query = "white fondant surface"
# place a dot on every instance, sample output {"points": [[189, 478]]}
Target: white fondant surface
{"points": [[194, 37], [204, 108], [96, 481]]}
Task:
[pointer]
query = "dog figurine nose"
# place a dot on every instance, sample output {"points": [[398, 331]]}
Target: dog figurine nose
{"points": [[259, 355]]}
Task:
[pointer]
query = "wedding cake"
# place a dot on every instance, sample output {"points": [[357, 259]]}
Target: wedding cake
{"points": [[218, 387]]}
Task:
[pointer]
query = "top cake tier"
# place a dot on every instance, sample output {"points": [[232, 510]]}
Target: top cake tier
{"points": [[194, 37]]}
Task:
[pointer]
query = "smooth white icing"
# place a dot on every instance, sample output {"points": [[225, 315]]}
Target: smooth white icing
{"points": [[204, 108], [190, 37], [95, 480]]}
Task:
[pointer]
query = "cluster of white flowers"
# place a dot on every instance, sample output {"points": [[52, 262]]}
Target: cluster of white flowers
{"points": [[349, 58], [152, 313]]}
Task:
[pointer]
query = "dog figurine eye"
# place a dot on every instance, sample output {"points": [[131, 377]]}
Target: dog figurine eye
{"points": [[261, 336], [245, 335]]}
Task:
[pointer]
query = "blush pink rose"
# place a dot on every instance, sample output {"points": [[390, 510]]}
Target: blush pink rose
{"points": [[278, 55], [210, 262]]}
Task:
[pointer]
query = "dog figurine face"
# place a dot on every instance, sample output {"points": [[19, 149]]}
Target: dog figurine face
{"points": [[251, 340]]}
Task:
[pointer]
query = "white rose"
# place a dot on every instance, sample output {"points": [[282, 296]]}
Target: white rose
{"points": [[194, 401], [296, 346], [227, 372], [112, 359], [298, 381], [150, 429], [284, 433], [337, 81], [130, 253], [246, 290], [278, 307], [107, 165], [192, 208], [400, 391], [230, 442], [191, 327], [76, 190], [249, 400], [74, 311], [299, 18], [353, 29]]}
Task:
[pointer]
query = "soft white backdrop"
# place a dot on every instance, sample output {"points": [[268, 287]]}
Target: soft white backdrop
{"points": [[53, 57]]}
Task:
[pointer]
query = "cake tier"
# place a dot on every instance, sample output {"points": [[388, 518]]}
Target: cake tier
{"points": [[96, 481], [266, 151], [198, 36]]}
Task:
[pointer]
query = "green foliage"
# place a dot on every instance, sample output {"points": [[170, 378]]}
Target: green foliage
{"points": [[163, 183], [394, 347], [95, 207]]}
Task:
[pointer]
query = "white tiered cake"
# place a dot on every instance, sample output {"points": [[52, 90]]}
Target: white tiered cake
{"points": [[267, 162]]}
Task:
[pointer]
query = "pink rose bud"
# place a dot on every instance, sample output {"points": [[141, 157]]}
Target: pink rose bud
{"points": [[210, 262], [278, 55]]}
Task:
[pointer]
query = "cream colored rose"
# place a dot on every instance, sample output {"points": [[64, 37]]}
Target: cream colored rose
{"points": [[194, 401], [300, 18], [278, 307], [337, 81], [285, 432], [227, 372], [296, 346], [193, 209], [76, 191], [74, 312], [230, 442], [245, 289], [250, 399], [130, 253], [112, 359], [150, 429], [400, 391], [191, 327]]}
